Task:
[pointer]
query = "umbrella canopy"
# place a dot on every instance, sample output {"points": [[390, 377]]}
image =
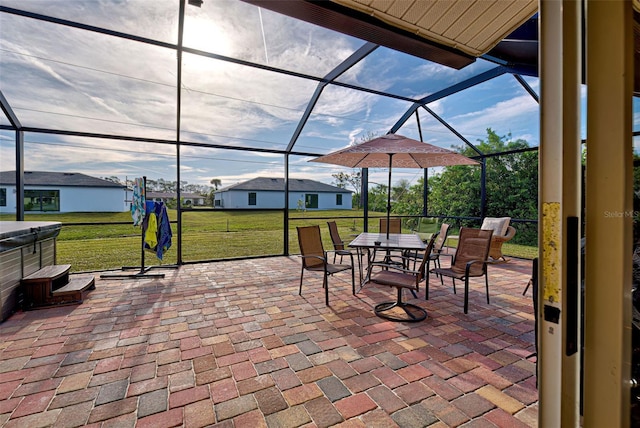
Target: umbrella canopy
{"points": [[406, 153], [393, 150]]}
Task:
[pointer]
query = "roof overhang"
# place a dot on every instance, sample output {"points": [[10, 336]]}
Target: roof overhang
{"points": [[451, 33]]}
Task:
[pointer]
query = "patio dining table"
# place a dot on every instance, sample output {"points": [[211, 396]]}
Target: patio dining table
{"points": [[379, 242]]}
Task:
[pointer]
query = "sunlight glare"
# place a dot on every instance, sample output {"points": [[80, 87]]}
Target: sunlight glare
{"points": [[205, 35]]}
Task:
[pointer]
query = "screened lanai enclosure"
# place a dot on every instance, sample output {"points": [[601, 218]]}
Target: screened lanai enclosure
{"points": [[189, 92], [202, 97]]}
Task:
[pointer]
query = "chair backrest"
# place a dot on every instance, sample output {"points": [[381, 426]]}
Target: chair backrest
{"points": [[338, 244], [395, 225], [499, 225], [473, 244], [310, 241], [425, 258], [442, 237]]}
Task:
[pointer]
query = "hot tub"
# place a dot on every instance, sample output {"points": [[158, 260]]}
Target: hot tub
{"points": [[25, 247]]}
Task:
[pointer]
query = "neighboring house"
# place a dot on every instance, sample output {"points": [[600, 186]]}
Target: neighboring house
{"points": [[264, 192], [193, 199], [62, 192]]}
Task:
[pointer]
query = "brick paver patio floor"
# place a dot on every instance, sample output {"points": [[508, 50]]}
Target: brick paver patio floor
{"points": [[232, 344]]}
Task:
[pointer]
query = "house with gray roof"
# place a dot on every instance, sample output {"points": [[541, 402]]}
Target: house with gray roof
{"points": [[268, 193], [62, 192]]}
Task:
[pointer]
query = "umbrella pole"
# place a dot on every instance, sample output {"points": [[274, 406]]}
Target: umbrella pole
{"points": [[389, 196]]}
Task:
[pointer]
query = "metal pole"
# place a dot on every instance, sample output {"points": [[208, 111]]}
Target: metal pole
{"points": [[178, 115], [365, 198], [483, 188], [19, 175], [286, 205], [389, 196]]}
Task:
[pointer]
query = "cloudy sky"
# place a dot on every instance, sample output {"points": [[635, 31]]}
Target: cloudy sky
{"points": [[58, 77]]}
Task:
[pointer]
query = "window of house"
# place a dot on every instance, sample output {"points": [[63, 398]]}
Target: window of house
{"points": [[311, 200], [339, 199], [253, 198], [3, 197], [217, 203], [42, 200]]}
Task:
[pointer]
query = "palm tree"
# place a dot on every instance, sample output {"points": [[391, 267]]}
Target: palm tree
{"points": [[215, 182]]}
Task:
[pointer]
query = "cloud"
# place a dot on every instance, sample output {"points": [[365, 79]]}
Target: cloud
{"points": [[59, 77]]}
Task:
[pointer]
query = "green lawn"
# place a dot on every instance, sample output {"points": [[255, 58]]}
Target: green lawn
{"points": [[206, 236]]}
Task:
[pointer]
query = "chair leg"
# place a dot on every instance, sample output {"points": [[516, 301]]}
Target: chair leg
{"points": [[381, 309], [325, 284], [486, 283], [426, 285], [301, 275], [439, 267], [353, 277], [359, 256], [466, 294], [453, 280]]}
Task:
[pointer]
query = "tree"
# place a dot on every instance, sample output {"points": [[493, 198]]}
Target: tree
{"points": [[113, 179], [378, 198], [354, 180], [216, 183], [511, 184]]}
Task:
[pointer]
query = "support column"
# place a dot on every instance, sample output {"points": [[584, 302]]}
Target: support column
{"points": [[19, 175], [560, 189], [609, 213]]}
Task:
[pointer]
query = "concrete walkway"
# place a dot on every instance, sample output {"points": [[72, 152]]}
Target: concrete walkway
{"points": [[232, 344]]}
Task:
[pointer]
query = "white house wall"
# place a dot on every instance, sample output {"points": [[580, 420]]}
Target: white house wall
{"points": [[275, 200], [76, 199], [92, 199]]}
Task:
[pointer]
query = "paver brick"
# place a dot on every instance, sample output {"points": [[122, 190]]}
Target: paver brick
{"points": [[74, 397], [275, 359], [366, 364], [112, 392], [386, 399], [313, 374], [44, 419], [270, 400], [234, 407], [152, 402], [111, 410], [333, 388], [322, 412], [473, 405], [302, 394], [361, 382], [500, 399], [171, 418], [289, 418], [413, 392], [286, 379], [187, 396], [33, 403], [355, 405], [504, 419], [253, 419], [298, 361], [199, 414], [223, 390], [77, 415], [410, 418]]}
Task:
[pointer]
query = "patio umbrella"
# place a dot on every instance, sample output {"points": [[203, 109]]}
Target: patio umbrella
{"points": [[393, 150]]}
